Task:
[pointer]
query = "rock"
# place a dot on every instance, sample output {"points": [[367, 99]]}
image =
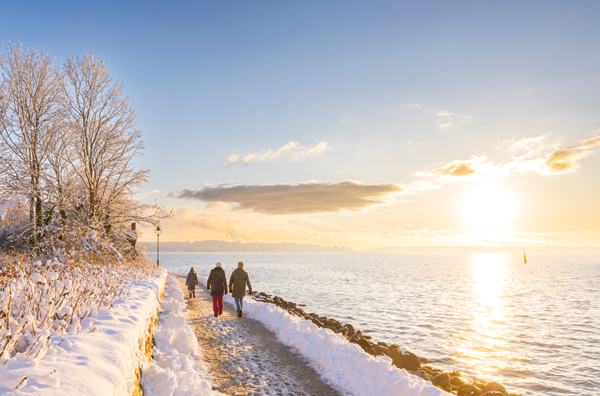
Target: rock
{"points": [[358, 332], [494, 387], [456, 381], [371, 351], [423, 360], [343, 330], [406, 360], [315, 321], [381, 350], [351, 331], [349, 327], [363, 343], [438, 379], [475, 391], [383, 344], [463, 389], [445, 385], [423, 374]]}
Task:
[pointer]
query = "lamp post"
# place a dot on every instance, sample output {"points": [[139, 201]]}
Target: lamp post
{"points": [[158, 232]]}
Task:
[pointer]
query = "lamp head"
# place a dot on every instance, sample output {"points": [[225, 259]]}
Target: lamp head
{"points": [[158, 230]]}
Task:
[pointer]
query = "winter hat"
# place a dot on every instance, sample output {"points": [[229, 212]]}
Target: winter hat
{"points": [[241, 264], [219, 265]]}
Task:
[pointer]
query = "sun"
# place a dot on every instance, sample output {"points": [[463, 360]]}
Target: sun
{"points": [[489, 208]]}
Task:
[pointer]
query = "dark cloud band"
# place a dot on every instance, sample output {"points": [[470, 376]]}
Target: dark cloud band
{"points": [[296, 199]]}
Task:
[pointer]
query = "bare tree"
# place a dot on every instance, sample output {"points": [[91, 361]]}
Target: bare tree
{"points": [[30, 121], [104, 140], [60, 180]]}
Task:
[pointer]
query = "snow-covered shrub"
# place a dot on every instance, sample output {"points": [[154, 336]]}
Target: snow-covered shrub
{"points": [[39, 301]]}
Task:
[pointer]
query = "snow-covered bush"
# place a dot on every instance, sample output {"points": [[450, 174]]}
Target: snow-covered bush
{"points": [[39, 301]]}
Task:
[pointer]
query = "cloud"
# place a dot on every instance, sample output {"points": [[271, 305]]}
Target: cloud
{"points": [[448, 120], [526, 142], [415, 106], [566, 159], [445, 119], [144, 195], [232, 159], [536, 159], [419, 185], [460, 168], [291, 149], [303, 198]]}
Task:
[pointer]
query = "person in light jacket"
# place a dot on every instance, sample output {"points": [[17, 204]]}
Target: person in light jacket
{"points": [[191, 282], [237, 286], [217, 284]]}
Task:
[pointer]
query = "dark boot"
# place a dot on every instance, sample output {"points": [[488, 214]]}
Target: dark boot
{"points": [[240, 313], [190, 295]]}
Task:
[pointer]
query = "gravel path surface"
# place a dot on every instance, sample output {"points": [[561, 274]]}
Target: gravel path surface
{"points": [[245, 358]]}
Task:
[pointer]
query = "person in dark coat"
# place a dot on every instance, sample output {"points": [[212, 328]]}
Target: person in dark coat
{"points": [[237, 286], [191, 282], [217, 284]]}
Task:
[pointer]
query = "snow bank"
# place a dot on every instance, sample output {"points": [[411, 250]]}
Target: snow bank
{"points": [[177, 368], [345, 365], [94, 358]]}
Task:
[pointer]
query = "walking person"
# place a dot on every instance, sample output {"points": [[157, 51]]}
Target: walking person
{"points": [[217, 284], [191, 282], [237, 286]]}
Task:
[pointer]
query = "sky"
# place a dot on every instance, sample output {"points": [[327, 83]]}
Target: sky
{"points": [[353, 123]]}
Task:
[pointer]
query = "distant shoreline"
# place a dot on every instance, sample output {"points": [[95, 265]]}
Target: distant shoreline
{"points": [[235, 247]]}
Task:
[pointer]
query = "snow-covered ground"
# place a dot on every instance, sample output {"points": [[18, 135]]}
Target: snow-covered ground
{"points": [[246, 358], [177, 368], [344, 365], [96, 355]]}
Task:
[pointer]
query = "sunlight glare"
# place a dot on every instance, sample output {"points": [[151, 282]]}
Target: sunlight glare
{"points": [[485, 339], [489, 208]]}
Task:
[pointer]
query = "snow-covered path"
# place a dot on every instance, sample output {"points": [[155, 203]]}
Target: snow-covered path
{"points": [[245, 358]]}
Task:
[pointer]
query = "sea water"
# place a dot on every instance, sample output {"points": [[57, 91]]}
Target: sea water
{"points": [[533, 327]]}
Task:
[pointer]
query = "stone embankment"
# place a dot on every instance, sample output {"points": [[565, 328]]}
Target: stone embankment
{"points": [[452, 382]]}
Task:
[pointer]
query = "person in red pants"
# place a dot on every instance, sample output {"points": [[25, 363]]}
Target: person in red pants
{"points": [[217, 284]]}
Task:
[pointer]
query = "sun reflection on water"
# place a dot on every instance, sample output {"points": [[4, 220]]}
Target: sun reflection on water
{"points": [[484, 342]]}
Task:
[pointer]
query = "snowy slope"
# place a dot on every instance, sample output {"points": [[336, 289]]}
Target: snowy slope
{"points": [[177, 368]]}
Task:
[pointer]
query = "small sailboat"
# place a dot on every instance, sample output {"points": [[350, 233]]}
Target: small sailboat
{"points": [[524, 257]]}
